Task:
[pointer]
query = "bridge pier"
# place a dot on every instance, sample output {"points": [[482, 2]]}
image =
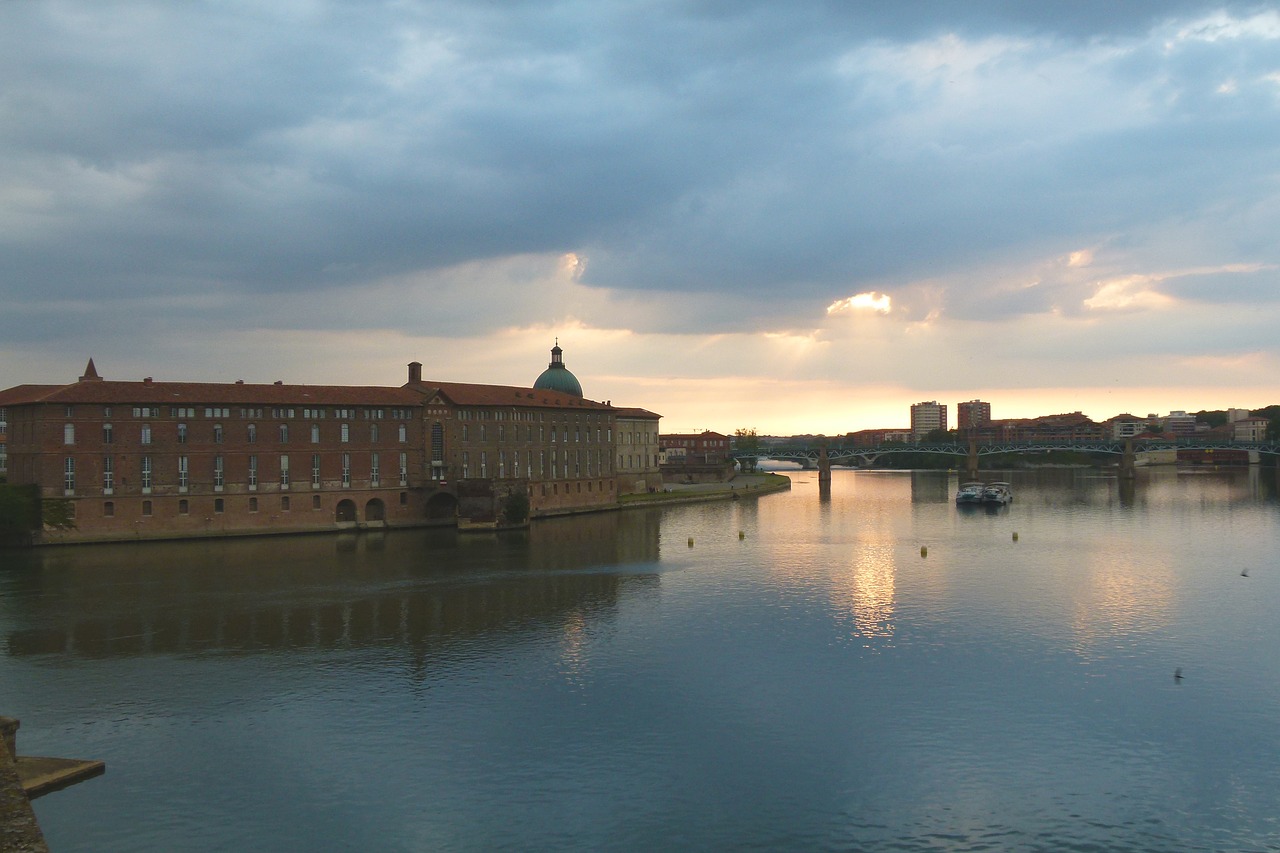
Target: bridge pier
{"points": [[1128, 461], [824, 467], [971, 461]]}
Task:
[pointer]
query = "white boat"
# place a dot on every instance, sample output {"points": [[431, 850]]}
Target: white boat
{"points": [[997, 493], [970, 493]]}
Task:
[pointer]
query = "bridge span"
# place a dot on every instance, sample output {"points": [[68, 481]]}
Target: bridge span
{"points": [[820, 456]]}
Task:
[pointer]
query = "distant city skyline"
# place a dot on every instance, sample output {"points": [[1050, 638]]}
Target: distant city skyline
{"points": [[793, 219]]}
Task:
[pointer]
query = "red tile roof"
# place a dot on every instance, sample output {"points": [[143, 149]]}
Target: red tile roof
{"points": [[199, 393], [467, 394], [636, 413]]}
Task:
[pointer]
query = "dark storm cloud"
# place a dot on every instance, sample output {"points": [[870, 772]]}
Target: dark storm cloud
{"points": [[740, 148]]}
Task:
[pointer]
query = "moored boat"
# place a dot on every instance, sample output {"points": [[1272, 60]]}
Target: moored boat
{"points": [[969, 493], [997, 493]]}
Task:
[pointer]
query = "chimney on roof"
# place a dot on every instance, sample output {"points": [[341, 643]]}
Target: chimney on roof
{"points": [[90, 373], [146, 380], [239, 381], [279, 382], [415, 372]]}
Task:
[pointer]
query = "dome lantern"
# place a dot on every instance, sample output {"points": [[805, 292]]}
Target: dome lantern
{"points": [[557, 377]]}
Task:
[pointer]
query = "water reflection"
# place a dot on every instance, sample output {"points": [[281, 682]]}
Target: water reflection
{"points": [[815, 684], [865, 592], [255, 595]]}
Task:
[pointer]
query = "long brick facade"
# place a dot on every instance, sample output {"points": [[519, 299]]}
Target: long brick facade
{"points": [[138, 460]]}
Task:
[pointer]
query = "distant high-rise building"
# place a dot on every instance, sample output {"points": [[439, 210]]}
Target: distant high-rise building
{"points": [[974, 413], [926, 417]]}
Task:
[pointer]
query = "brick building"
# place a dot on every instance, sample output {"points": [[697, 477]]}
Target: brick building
{"points": [[148, 459], [695, 457], [972, 414]]}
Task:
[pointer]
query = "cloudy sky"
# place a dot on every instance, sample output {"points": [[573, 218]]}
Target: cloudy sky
{"points": [[798, 217]]}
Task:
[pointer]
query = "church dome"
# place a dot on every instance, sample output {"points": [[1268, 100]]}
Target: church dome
{"points": [[557, 377]]}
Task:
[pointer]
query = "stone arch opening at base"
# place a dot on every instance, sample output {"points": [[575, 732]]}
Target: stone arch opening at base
{"points": [[442, 505], [375, 510], [345, 511]]}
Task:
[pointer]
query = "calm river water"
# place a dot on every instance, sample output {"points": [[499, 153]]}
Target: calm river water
{"points": [[599, 684]]}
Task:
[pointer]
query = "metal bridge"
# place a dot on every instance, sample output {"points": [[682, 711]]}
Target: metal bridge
{"points": [[812, 455]]}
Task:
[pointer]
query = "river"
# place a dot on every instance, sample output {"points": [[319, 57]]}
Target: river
{"points": [[868, 669]]}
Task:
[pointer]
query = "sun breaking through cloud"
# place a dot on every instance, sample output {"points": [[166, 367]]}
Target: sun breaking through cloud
{"points": [[869, 301]]}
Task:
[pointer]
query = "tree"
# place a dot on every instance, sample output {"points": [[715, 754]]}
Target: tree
{"points": [[19, 513], [746, 440]]}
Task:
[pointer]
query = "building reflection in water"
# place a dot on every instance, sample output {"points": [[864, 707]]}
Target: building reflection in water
{"points": [[415, 589]]}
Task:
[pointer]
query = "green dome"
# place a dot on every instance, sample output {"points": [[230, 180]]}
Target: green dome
{"points": [[557, 377]]}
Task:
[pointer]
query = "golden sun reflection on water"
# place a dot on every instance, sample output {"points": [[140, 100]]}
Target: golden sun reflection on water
{"points": [[865, 591]]}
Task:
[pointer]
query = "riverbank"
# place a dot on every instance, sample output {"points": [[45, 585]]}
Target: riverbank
{"points": [[743, 485]]}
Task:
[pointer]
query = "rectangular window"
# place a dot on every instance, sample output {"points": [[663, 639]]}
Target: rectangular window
{"points": [[315, 433], [284, 433], [183, 507], [146, 508], [284, 472], [218, 505], [253, 473], [344, 433], [315, 470], [69, 475], [108, 435], [217, 433], [182, 433], [402, 432], [284, 503], [146, 475], [69, 434], [375, 473], [346, 470], [182, 473], [373, 433], [484, 461], [253, 433], [466, 465], [218, 474], [108, 476], [404, 469], [253, 504], [146, 433], [109, 509]]}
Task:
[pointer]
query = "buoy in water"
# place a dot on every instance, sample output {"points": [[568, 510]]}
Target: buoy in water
{"points": [[924, 550], [690, 541], [741, 535], [1015, 536]]}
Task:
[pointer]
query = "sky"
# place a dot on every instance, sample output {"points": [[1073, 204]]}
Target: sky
{"points": [[789, 217]]}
